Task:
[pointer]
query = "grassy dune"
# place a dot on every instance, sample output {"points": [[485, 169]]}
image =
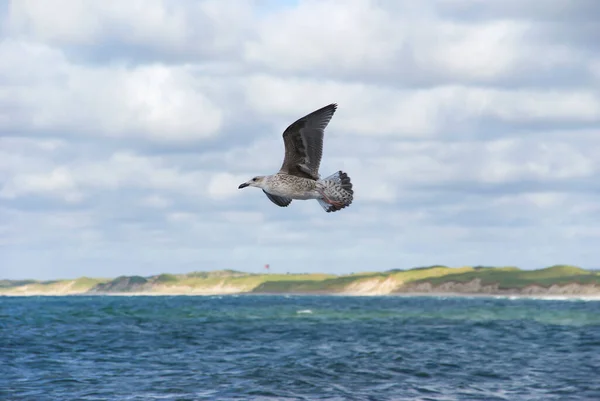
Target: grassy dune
{"points": [[58, 287], [250, 282], [514, 278], [230, 281]]}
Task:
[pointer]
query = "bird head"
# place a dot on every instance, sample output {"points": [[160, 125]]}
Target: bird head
{"points": [[254, 182]]}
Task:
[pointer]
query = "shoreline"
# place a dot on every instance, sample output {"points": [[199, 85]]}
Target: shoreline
{"points": [[549, 297], [554, 282]]}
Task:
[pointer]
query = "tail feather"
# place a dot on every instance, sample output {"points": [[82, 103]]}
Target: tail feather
{"points": [[326, 206], [337, 188]]}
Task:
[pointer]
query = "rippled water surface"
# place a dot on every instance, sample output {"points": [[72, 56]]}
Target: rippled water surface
{"points": [[298, 348]]}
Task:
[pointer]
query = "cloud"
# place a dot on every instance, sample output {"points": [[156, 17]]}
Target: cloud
{"points": [[151, 30], [224, 185], [469, 129], [58, 182], [404, 44], [152, 101], [155, 201]]}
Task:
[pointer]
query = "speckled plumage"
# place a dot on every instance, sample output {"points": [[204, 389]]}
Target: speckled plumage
{"points": [[298, 177]]}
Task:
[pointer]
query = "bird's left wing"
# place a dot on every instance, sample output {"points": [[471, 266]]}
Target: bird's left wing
{"points": [[303, 140]]}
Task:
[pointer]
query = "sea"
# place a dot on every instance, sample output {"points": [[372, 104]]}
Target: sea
{"points": [[278, 347]]}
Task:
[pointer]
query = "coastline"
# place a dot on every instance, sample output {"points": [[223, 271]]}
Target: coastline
{"points": [[549, 297], [554, 282]]}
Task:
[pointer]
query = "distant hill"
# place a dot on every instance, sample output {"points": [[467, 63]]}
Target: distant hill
{"points": [[554, 280]]}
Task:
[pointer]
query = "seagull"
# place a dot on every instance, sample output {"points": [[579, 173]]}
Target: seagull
{"points": [[298, 177]]}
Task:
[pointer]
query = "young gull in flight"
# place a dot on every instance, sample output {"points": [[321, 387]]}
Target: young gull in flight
{"points": [[299, 176]]}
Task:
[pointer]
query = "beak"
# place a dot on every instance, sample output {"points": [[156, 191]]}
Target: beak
{"points": [[244, 185]]}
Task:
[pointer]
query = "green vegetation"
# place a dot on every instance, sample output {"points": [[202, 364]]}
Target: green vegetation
{"points": [[246, 282], [507, 278], [514, 278], [338, 284], [302, 285], [15, 283], [135, 279], [86, 283], [428, 273], [166, 278], [217, 273]]}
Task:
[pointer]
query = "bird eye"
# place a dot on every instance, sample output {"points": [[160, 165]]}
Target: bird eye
{"points": [[254, 179]]}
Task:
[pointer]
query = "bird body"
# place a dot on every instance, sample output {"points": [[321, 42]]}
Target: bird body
{"points": [[298, 177], [291, 186]]}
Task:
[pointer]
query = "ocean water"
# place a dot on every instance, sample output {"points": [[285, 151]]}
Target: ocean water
{"points": [[298, 348]]}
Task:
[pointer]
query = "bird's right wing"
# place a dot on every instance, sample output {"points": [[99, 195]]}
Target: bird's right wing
{"points": [[303, 141], [278, 200]]}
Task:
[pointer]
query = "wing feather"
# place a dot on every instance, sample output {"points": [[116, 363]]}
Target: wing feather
{"points": [[278, 200], [303, 141]]}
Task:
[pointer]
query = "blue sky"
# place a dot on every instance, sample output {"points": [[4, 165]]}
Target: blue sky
{"points": [[471, 131]]}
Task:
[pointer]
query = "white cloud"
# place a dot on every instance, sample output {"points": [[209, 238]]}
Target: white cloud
{"points": [[544, 105], [126, 128], [121, 171], [419, 113], [34, 16], [152, 101], [324, 36], [475, 51], [156, 201], [224, 185], [179, 26], [403, 44], [536, 199], [398, 168], [595, 69], [179, 217], [237, 217], [58, 182], [522, 160]]}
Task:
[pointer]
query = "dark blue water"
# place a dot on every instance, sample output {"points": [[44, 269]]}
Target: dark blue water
{"points": [[298, 348]]}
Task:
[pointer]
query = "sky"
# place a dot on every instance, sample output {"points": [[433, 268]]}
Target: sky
{"points": [[470, 130]]}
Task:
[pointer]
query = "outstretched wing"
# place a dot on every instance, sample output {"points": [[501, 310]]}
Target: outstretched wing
{"points": [[303, 142], [278, 200]]}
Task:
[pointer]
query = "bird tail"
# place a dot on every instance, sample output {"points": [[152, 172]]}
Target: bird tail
{"points": [[337, 191]]}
